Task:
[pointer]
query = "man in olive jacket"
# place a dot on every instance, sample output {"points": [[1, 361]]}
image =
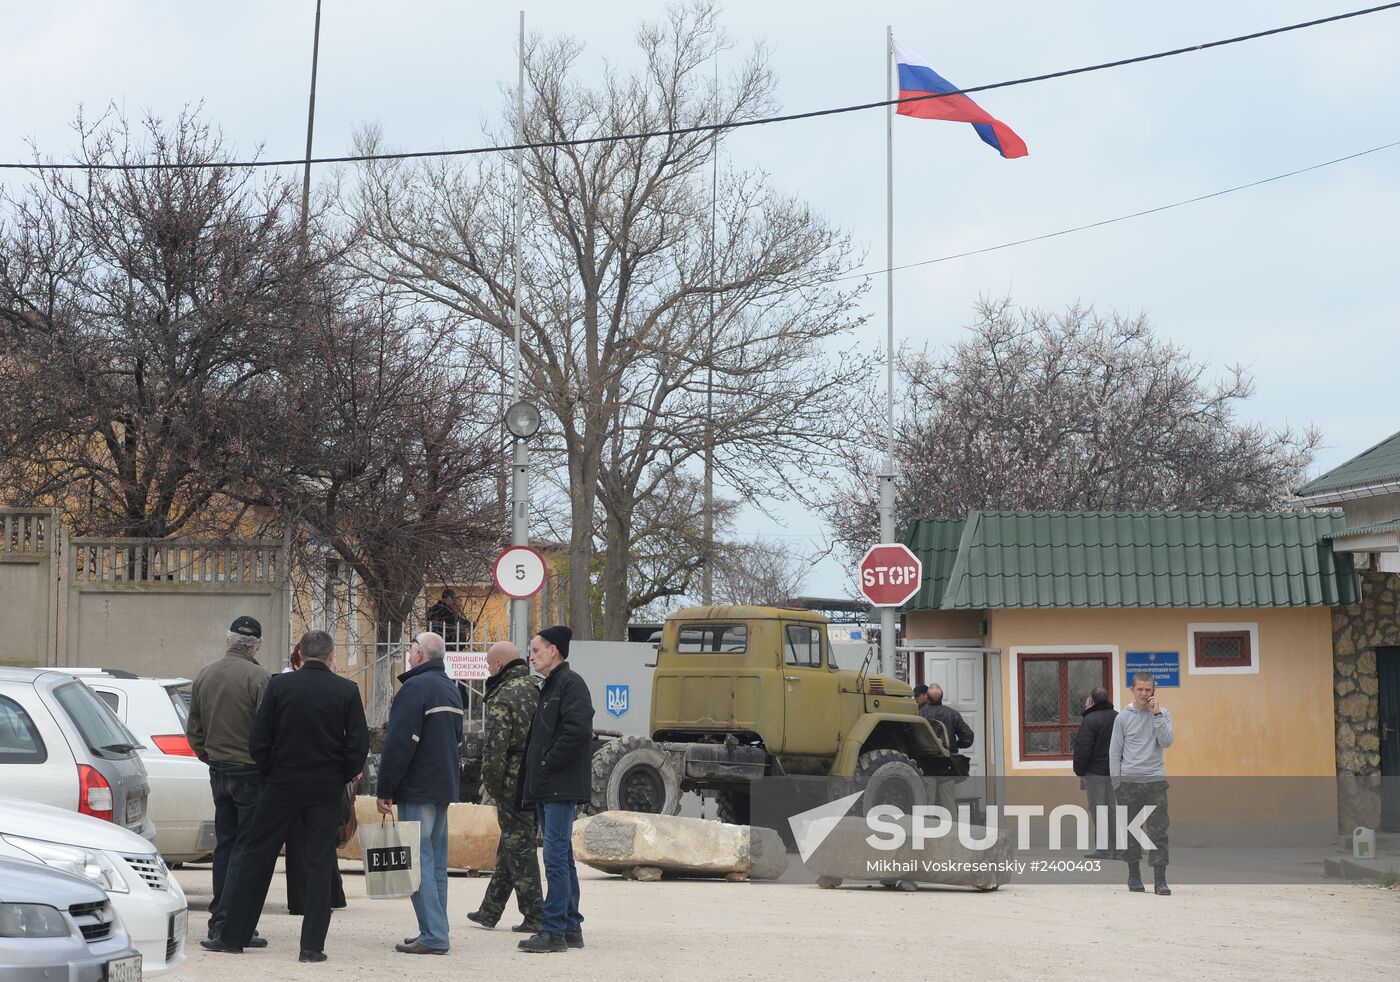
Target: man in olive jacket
{"points": [[556, 779], [512, 698], [223, 701]]}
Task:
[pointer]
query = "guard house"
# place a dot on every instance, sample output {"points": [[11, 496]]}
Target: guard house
{"points": [[1366, 632], [1021, 614]]}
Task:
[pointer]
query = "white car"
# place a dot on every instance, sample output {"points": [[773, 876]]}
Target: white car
{"points": [[146, 897], [155, 711], [60, 745]]}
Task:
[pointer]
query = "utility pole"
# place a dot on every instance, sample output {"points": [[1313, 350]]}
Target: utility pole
{"points": [[310, 125], [707, 577]]}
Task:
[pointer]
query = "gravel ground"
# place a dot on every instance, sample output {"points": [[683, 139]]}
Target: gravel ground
{"points": [[679, 929]]}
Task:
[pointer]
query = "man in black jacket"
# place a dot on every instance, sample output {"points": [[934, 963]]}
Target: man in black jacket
{"points": [[309, 739], [556, 778], [420, 770], [1091, 764]]}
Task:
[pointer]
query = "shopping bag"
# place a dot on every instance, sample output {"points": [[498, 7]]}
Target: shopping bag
{"points": [[393, 868]]}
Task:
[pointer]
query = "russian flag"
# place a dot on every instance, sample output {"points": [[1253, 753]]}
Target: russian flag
{"points": [[916, 78]]}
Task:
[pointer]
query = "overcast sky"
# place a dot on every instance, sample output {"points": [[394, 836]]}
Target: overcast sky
{"points": [[1296, 280]]}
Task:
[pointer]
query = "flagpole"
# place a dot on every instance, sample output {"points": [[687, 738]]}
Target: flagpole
{"points": [[886, 479]]}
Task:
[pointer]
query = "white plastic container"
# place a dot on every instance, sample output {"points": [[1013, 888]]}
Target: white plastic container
{"points": [[1363, 842]]}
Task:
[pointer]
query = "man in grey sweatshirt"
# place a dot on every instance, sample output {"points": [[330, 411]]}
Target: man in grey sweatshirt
{"points": [[1140, 734]]}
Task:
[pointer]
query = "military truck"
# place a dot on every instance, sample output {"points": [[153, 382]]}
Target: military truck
{"points": [[745, 692]]}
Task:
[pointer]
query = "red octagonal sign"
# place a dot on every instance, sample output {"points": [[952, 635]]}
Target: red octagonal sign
{"points": [[890, 574]]}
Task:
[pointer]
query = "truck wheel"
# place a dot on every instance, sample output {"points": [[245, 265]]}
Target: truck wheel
{"points": [[888, 777], [733, 807], [632, 774]]}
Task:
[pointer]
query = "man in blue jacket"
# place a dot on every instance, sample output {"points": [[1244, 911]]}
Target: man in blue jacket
{"points": [[420, 771]]}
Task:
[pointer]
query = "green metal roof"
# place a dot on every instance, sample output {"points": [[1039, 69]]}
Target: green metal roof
{"points": [[935, 542], [1375, 528], [1379, 465], [1134, 559]]}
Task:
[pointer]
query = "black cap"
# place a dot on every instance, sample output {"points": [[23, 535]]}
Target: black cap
{"points": [[559, 637], [247, 627]]}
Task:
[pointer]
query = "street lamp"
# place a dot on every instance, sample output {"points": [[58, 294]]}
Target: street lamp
{"points": [[523, 420]]}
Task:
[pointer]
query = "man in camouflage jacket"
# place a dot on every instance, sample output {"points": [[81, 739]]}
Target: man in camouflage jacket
{"points": [[512, 696]]}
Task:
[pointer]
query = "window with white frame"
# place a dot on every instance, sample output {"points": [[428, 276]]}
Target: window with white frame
{"points": [[1223, 649]]}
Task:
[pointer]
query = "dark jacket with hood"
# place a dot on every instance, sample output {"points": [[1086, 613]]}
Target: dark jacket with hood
{"points": [[421, 762], [1091, 743], [559, 756]]}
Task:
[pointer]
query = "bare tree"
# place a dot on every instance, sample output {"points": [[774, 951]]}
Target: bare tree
{"points": [[139, 311], [385, 450], [617, 262], [1071, 411], [760, 572]]}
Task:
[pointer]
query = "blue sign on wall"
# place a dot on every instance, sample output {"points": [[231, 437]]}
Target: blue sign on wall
{"points": [[619, 699], [1165, 666]]}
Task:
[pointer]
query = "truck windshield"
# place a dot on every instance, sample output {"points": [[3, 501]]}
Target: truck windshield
{"points": [[725, 639]]}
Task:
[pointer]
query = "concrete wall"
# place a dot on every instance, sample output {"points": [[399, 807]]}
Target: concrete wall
{"points": [[1278, 721], [29, 551]]}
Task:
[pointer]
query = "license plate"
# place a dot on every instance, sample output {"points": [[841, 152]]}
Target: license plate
{"points": [[135, 808], [179, 923], [124, 969], [206, 837]]}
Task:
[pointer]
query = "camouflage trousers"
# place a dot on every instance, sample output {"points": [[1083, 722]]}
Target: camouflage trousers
{"points": [[1137, 796], [517, 868]]}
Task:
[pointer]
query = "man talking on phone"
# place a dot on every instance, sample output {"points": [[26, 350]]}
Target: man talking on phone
{"points": [[1140, 734]]}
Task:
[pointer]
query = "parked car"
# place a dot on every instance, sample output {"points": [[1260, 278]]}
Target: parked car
{"points": [[56, 925], [155, 711], [61, 745], [126, 866]]}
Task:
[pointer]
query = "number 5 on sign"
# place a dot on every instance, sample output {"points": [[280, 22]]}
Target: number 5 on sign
{"points": [[520, 572]]}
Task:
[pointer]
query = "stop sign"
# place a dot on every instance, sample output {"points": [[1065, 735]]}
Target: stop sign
{"points": [[890, 574]]}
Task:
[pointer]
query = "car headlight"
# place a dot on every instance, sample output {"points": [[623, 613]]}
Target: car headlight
{"points": [[90, 864], [32, 921]]}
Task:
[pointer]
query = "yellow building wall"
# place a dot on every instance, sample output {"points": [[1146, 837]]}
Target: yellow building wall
{"points": [[1278, 722], [943, 625]]}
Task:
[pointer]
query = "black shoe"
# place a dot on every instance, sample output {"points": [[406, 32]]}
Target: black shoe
{"points": [[573, 939], [1159, 882], [524, 928], [1135, 878], [217, 944], [543, 942], [256, 941], [479, 919], [311, 956]]}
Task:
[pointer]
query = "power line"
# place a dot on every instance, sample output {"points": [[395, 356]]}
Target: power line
{"points": [[1120, 218], [711, 127]]}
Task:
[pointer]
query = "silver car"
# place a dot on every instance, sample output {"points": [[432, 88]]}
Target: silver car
{"points": [[54, 925], [61, 745]]}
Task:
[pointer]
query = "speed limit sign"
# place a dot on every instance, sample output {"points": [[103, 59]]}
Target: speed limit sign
{"points": [[520, 572]]}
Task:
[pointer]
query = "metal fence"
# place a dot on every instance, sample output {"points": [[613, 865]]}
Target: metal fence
{"points": [[375, 667]]}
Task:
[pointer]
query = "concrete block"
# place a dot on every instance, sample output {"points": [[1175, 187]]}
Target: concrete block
{"points": [[644, 847], [472, 834], [847, 854]]}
